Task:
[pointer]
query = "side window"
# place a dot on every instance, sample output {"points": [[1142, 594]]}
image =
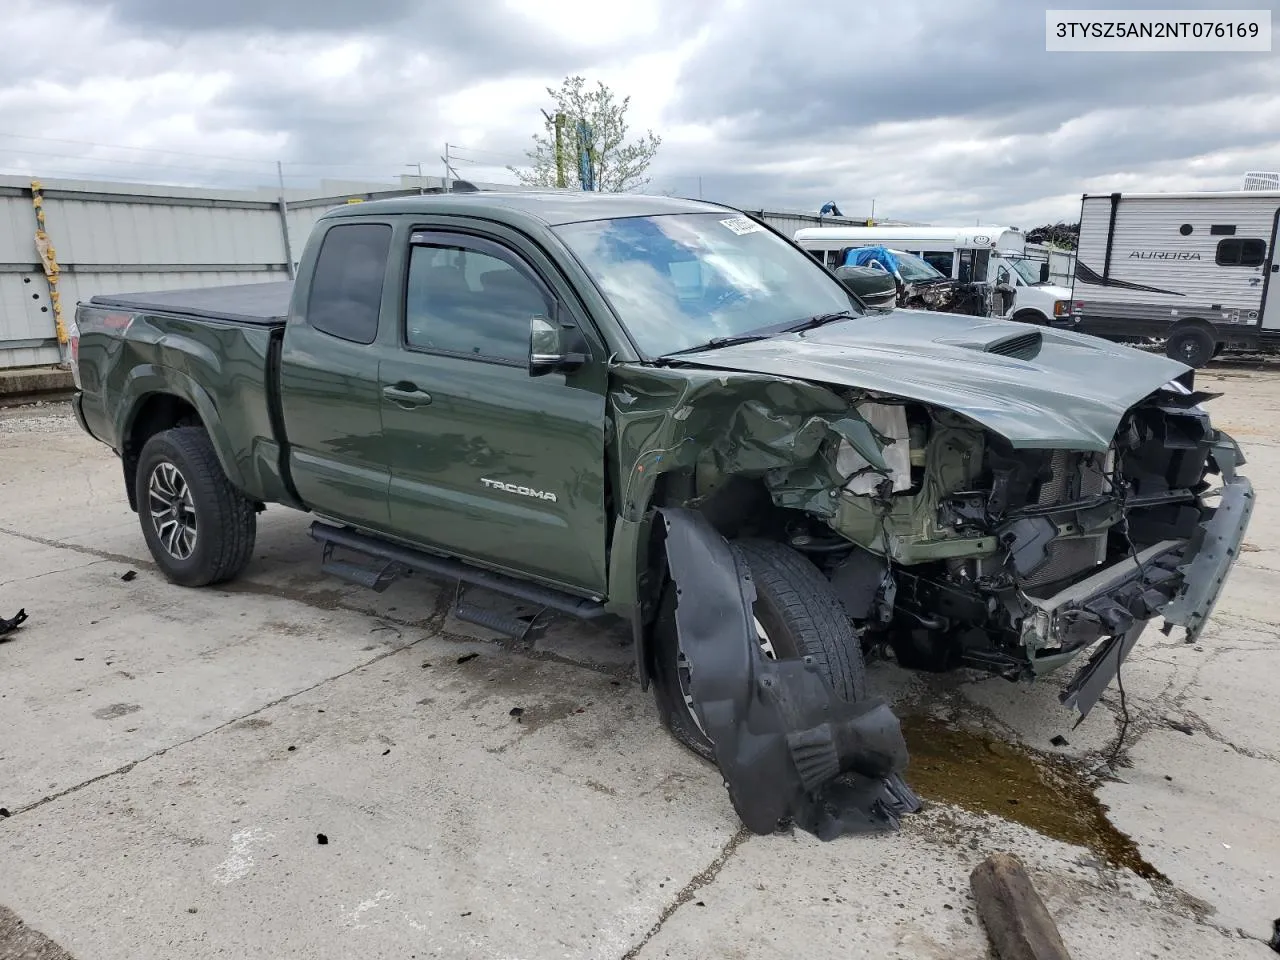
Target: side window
{"points": [[940, 260], [1002, 276], [1241, 252], [346, 288], [469, 303]]}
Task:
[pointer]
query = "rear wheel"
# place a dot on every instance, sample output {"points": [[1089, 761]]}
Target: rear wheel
{"points": [[200, 529], [1193, 346], [796, 614]]}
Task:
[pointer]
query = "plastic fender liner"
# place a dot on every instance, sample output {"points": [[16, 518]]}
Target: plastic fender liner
{"points": [[789, 748]]}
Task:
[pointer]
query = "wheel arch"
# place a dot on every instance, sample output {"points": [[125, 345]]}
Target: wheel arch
{"points": [[164, 398]]}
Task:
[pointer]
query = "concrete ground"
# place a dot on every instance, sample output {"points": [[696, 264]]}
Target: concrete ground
{"points": [[171, 759]]}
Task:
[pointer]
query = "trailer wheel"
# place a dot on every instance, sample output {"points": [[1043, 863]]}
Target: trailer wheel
{"points": [[1193, 346], [796, 615], [199, 528]]}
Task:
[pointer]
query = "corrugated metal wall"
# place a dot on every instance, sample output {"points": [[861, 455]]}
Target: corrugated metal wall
{"points": [[115, 238]]}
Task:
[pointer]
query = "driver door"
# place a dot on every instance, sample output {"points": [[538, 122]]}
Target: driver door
{"points": [[489, 463]]}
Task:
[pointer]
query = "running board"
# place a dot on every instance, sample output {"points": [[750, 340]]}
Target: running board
{"points": [[392, 561]]}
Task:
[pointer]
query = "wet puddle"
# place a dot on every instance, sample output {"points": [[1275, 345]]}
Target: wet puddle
{"points": [[981, 774]]}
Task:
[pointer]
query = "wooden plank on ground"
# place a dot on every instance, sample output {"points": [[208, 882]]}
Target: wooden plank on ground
{"points": [[1016, 919]]}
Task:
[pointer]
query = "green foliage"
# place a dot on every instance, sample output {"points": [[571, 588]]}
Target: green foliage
{"points": [[616, 164]]}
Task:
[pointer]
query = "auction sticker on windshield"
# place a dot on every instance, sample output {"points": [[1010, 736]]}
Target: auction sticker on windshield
{"points": [[741, 225]]}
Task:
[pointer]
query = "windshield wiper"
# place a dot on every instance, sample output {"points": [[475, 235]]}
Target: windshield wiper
{"points": [[715, 343], [818, 320], [808, 323]]}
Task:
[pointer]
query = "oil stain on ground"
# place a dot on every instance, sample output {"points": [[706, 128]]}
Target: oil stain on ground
{"points": [[981, 774]]}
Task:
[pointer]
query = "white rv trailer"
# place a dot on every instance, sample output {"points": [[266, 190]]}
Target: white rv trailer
{"points": [[968, 254], [1193, 268]]}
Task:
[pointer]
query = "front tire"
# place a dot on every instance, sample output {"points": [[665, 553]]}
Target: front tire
{"points": [[199, 528], [797, 615]]}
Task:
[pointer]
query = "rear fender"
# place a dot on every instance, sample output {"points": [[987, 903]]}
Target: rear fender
{"points": [[147, 380]]}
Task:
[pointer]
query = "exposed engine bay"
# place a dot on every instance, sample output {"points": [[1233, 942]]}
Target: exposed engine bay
{"points": [[970, 552]]}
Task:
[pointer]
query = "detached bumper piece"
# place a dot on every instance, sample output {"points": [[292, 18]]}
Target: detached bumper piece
{"points": [[790, 749], [8, 626], [1179, 582], [1213, 551]]}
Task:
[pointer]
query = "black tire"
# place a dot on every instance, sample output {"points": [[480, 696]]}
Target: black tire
{"points": [[224, 521], [1193, 346], [801, 616], [1030, 316]]}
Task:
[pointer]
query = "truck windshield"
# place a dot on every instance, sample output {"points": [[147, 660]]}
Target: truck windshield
{"points": [[915, 270], [682, 280], [1029, 272]]}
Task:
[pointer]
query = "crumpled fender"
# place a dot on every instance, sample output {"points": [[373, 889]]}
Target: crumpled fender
{"points": [[789, 747]]}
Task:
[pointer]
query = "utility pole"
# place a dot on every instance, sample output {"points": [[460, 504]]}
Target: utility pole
{"points": [[445, 158], [558, 123], [699, 188]]}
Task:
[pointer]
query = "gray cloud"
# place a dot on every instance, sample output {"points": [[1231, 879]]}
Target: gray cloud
{"points": [[939, 111]]}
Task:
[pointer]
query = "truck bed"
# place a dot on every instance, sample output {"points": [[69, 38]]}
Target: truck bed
{"points": [[260, 304]]}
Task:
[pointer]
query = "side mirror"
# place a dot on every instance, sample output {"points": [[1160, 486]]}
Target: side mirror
{"points": [[1044, 273], [554, 346]]}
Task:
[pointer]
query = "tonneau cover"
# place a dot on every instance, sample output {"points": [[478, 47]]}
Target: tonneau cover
{"points": [[265, 304]]}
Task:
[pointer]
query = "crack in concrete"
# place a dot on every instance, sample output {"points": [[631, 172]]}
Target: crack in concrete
{"points": [[698, 881], [1200, 725], [126, 768], [50, 573]]}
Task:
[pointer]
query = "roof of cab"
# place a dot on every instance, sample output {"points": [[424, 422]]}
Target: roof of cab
{"points": [[550, 208]]}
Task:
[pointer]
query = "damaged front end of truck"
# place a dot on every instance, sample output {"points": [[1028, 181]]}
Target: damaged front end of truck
{"points": [[1009, 531]]}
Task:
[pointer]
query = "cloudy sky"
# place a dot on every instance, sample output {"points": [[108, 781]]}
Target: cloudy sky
{"points": [[942, 111]]}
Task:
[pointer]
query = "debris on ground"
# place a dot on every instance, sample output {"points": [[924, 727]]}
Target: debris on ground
{"points": [[467, 657], [129, 575], [8, 626], [516, 712], [1016, 919], [4, 812], [386, 751], [1060, 741], [1274, 942], [1179, 726], [321, 839]]}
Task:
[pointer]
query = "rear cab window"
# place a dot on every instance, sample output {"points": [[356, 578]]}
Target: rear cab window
{"points": [[346, 287]]}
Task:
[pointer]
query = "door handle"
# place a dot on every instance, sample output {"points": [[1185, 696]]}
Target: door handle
{"points": [[406, 395]]}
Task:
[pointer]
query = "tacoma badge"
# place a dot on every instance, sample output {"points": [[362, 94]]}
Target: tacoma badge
{"points": [[517, 488]]}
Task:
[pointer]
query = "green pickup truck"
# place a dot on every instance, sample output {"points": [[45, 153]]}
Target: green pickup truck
{"points": [[664, 411]]}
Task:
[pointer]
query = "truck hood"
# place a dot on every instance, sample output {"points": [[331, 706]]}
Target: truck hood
{"points": [[1035, 386]]}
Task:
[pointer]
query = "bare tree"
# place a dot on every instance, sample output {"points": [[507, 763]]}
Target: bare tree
{"points": [[593, 152]]}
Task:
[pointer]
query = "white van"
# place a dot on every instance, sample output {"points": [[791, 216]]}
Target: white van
{"points": [[992, 255]]}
